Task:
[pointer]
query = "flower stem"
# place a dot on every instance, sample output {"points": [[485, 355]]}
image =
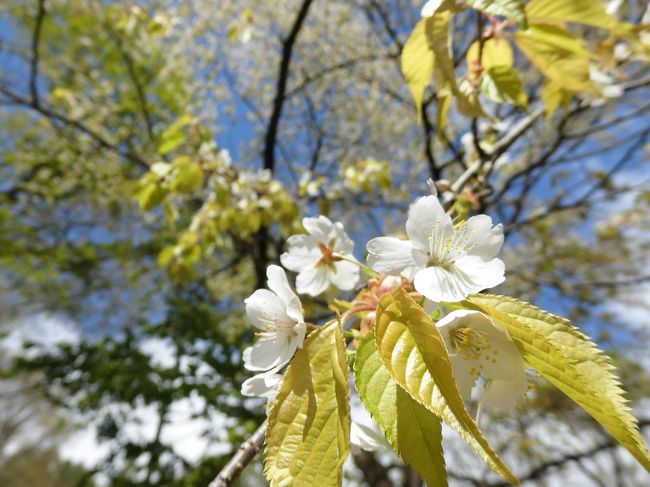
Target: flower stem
{"points": [[364, 267]]}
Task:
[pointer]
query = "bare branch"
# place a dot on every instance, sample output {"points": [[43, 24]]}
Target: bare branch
{"points": [[53, 115], [33, 75], [247, 451], [281, 87]]}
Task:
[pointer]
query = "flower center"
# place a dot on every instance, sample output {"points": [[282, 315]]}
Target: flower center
{"points": [[446, 245], [277, 325], [328, 257], [474, 345], [470, 343]]}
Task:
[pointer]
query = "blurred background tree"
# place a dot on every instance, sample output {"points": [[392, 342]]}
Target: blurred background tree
{"points": [[155, 156]]}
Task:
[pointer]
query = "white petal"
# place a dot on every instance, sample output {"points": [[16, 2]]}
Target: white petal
{"points": [[302, 252], [278, 283], [299, 334], [319, 227], [264, 308], [423, 215], [365, 438], [313, 281], [346, 275], [269, 353], [438, 284], [503, 396], [343, 243], [430, 8], [613, 91], [486, 240], [390, 255], [478, 273], [262, 385], [464, 378]]}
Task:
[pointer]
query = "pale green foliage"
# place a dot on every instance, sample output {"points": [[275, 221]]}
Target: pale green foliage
{"points": [[590, 12], [418, 62], [413, 351], [412, 430], [560, 56], [502, 84], [309, 423], [568, 359]]}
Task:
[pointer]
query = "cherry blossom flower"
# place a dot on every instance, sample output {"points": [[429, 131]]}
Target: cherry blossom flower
{"points": [[478, 348], [278, 313], [444, 263], [317, 257]]}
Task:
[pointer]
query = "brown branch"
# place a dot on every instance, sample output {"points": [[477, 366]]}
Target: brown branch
{"points": [[53, 115], [33, 75], [135, 79], [281, 87], [247, 451], [373, 471], [427, 131], [260, 251]]}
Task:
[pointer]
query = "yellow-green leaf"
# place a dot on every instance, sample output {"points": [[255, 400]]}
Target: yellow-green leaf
{"points": [[554, 97], [412, 349], [308, 437], [560, 56], [173, 135], [418, 61], [437, 33], [502, 84], [467, 100], [569, 360], [412, 430], [444, 103], [497, 51], [591, 12], [187, 175], [513, 9]]}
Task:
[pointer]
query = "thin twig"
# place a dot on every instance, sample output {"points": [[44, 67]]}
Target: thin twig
{"points": [[33, 75], [247, 451]]}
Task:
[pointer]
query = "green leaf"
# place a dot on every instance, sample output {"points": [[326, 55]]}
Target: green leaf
{"points": [[442, 116], [496, 51], [188, 175], [569, 360], [412, 430], [502, 84], [427, 53], [417, 64], [308, 438], [467, 100], [173, 135], [437, 33], [554, 97], [413, 351], [560, 56], [591, 12], [513, 9], [150, 194]]}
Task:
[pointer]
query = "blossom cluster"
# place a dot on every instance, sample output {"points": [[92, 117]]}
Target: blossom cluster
{"points": [[439, 263]]}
